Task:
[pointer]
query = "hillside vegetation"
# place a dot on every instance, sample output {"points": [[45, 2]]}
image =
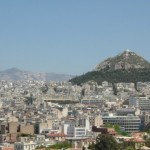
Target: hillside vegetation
{"points": [[114, 76]]}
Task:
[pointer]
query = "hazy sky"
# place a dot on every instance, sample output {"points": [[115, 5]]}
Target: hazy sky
{"points": [[71, 36]]}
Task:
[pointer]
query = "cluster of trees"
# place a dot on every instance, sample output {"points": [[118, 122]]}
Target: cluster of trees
{"points": [[44, 89], [25, 135], [147, 128], [62, 145], [117, 129], [103, 142], [41, 147], [108, 142], [114, 76]]}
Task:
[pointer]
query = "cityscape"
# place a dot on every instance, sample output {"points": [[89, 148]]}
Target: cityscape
{"points": [[38, 114], [67, 80]]}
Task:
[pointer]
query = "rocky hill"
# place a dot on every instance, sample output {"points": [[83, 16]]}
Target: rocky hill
{"points": [[126, 60], [125, 67], [17, 74]]}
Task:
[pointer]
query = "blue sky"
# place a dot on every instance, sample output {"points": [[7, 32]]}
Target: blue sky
{"points": [[70, 36]]}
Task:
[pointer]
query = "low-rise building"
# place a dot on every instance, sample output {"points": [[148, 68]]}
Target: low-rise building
{"points": [[25, 146]]}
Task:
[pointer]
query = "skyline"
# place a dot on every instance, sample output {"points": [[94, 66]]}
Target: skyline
{"points": [[70, 37]]}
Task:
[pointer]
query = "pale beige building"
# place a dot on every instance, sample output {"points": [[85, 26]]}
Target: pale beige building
{"points": [[65, 112], [27, 129], [96, 120], [45, 125], [12, 127]]}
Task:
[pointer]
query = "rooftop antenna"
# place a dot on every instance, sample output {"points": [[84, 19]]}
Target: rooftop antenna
{"points": [[127, 50]]}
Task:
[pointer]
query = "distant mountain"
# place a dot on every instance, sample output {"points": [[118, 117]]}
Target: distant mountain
{"points": [[125, 67], [126, 60], [17, 74]]}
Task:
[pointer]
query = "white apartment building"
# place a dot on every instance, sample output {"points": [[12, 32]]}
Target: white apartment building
{"points": [[72, 131], [25, 146], [83, 121], [79, 132]]}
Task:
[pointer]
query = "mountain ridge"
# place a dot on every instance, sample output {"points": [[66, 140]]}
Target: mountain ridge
{"points": [[18, 74]]}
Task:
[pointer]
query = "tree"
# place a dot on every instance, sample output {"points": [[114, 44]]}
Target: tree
{"points": [[147, 143], [128, 145], [83, 92], [147, 128], [114, 89], [91, 146], [106, 142], [61, 145], [129, 148], [114, 76], [40, 147], [44, 89], [117, 129]]}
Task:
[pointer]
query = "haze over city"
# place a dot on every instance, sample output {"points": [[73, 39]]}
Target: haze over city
{"points": [[70, 37]]}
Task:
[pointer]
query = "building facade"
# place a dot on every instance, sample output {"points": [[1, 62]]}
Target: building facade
{"points": [[129, 123]]}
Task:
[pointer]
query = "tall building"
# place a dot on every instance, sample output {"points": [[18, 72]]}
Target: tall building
{"points": [[12, 127]]}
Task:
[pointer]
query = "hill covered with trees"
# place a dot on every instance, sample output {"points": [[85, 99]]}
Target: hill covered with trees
{"points": [[125, 67], [114, 76]]}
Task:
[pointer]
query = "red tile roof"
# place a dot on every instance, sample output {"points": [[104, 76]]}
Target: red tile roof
{"points": [[7, 148]]}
